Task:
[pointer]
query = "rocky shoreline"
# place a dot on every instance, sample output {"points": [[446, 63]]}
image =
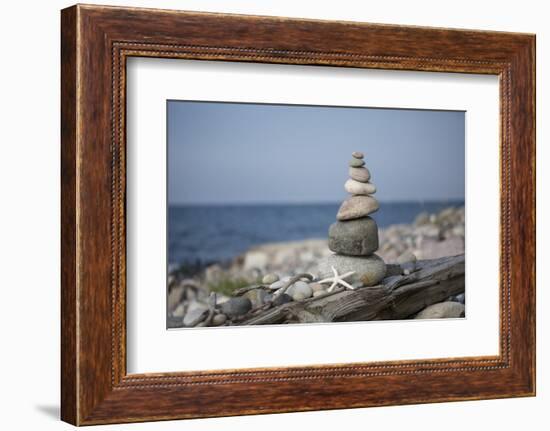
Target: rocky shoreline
{"points": [[272, 275]]}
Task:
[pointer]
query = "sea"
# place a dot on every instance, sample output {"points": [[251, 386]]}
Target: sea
{"points": [[204, 234]]}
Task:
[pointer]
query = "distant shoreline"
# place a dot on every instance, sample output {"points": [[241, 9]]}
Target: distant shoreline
{"points": [[200, 236], [449, 202]]}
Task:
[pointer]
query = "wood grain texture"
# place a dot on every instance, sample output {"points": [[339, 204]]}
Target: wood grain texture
{"points": [[96, 41], [68, 218]]}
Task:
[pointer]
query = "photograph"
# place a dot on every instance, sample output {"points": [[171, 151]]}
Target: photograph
{"points": [[305, 214]]}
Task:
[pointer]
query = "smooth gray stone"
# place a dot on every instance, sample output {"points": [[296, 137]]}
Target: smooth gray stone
{"points": [[442, 310], [356, 163], [277, 285], [219, 319], [357, 237], [369, 270], [359, 174], [282, 299], [358, 154], [299, 290], [236, 306], [193, 315], [357, 207]]}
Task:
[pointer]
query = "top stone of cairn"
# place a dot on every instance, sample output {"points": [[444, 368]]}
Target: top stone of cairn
{"points": [[358, 155]]}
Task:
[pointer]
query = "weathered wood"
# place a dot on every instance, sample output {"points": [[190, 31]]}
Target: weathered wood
{"points": [[398, 297]]}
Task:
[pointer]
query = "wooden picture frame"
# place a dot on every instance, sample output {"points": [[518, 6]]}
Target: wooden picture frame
{"points": [[95, 43]]}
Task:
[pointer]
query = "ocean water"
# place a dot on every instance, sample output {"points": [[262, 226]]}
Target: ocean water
{"points": [[202, 234]]}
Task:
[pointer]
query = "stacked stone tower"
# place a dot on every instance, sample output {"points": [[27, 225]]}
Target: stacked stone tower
{"points": [[354, 237]]}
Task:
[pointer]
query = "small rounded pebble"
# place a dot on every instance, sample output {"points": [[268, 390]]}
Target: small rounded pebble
{"points": [[356, 163], [319, 293], [299, 290], [277, 285], [219, 319], [406, 257], [270, 278], [236, 306], [358, 154], [282, 299], [442, 310]]}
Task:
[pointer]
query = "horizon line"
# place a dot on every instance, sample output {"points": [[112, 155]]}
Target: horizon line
{"points": [[265, 203]]}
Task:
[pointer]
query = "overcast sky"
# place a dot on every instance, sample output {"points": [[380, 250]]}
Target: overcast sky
{"points": [[255, 153]]}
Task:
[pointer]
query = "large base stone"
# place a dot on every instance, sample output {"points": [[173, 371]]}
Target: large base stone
{"points": [[369, 270], [357, 237]]}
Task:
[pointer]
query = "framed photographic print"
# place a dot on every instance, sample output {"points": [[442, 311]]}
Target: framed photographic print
{"points": [[324, 214]]}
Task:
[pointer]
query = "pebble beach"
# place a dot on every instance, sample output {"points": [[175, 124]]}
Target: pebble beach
{"points": [[355, 254]]}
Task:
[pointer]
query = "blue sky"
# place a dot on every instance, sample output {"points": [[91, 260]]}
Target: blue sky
{"points": [[230, 153]]}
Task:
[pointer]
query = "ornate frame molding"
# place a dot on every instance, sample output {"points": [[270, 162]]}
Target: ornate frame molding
{"points": [[96, 41]]}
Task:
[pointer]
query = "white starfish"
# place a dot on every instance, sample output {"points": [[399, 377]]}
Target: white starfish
{"points": [[338, 279]]}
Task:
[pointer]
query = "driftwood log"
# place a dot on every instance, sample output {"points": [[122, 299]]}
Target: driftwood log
{"points": [[400, 296]]}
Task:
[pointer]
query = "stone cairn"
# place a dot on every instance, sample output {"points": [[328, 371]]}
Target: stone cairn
{"points": [[354, 237]]}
